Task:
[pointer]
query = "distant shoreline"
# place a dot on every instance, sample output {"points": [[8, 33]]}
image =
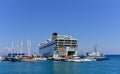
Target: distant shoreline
{"points": [[112, 55]]}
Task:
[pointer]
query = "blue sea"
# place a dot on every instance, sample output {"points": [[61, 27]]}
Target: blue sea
{"points": [[111, 66]]}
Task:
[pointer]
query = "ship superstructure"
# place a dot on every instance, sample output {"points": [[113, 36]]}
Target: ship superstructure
{"points": [[59, 45]]}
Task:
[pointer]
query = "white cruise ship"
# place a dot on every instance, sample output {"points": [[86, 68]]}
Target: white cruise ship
{"points": [[59, 45]]}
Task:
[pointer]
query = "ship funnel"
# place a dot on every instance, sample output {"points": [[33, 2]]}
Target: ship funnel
{"points": [[54, 35]]}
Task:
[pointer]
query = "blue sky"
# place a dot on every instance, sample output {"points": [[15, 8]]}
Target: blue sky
{"points": [[90, 21]]}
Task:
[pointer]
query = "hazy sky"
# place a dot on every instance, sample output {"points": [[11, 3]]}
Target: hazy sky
{"points": [[90, 21]]}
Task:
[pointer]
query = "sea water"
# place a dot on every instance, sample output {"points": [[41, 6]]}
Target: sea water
{"points": [[111, 66]]}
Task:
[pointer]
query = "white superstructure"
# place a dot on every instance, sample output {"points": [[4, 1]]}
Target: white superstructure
{"points": [[59, 44]]}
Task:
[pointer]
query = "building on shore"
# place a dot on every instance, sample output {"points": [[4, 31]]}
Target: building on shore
{"points": [[61, 45]]}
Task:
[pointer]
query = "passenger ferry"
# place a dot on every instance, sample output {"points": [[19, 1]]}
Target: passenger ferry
{"points": [[59, 46]]}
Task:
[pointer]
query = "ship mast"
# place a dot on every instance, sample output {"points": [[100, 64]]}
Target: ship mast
{"points": [[95, 48]]}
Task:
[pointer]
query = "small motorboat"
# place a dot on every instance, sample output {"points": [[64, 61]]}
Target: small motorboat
{"points": [[1, 58]]}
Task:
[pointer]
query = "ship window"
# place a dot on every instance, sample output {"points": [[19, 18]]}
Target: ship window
{"points": [[60, 40], [67, 42], [71, 53]]}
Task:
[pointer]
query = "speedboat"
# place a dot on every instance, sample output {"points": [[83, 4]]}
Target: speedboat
{"points": [[74, 59], [12, 59], [1, 58]]}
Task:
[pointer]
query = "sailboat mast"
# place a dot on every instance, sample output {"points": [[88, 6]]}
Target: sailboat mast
{"points": [[21, 47], [28, 47], [11, 49]]}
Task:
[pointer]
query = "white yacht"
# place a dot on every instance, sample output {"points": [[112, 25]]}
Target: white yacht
{"points": [[95, 55]]}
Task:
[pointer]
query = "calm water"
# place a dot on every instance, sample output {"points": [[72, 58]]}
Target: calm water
{"points": [[111, 66]]}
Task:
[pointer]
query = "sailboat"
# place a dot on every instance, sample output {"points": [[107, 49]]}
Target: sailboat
{"points": [[30, 57], [12, 56]]}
